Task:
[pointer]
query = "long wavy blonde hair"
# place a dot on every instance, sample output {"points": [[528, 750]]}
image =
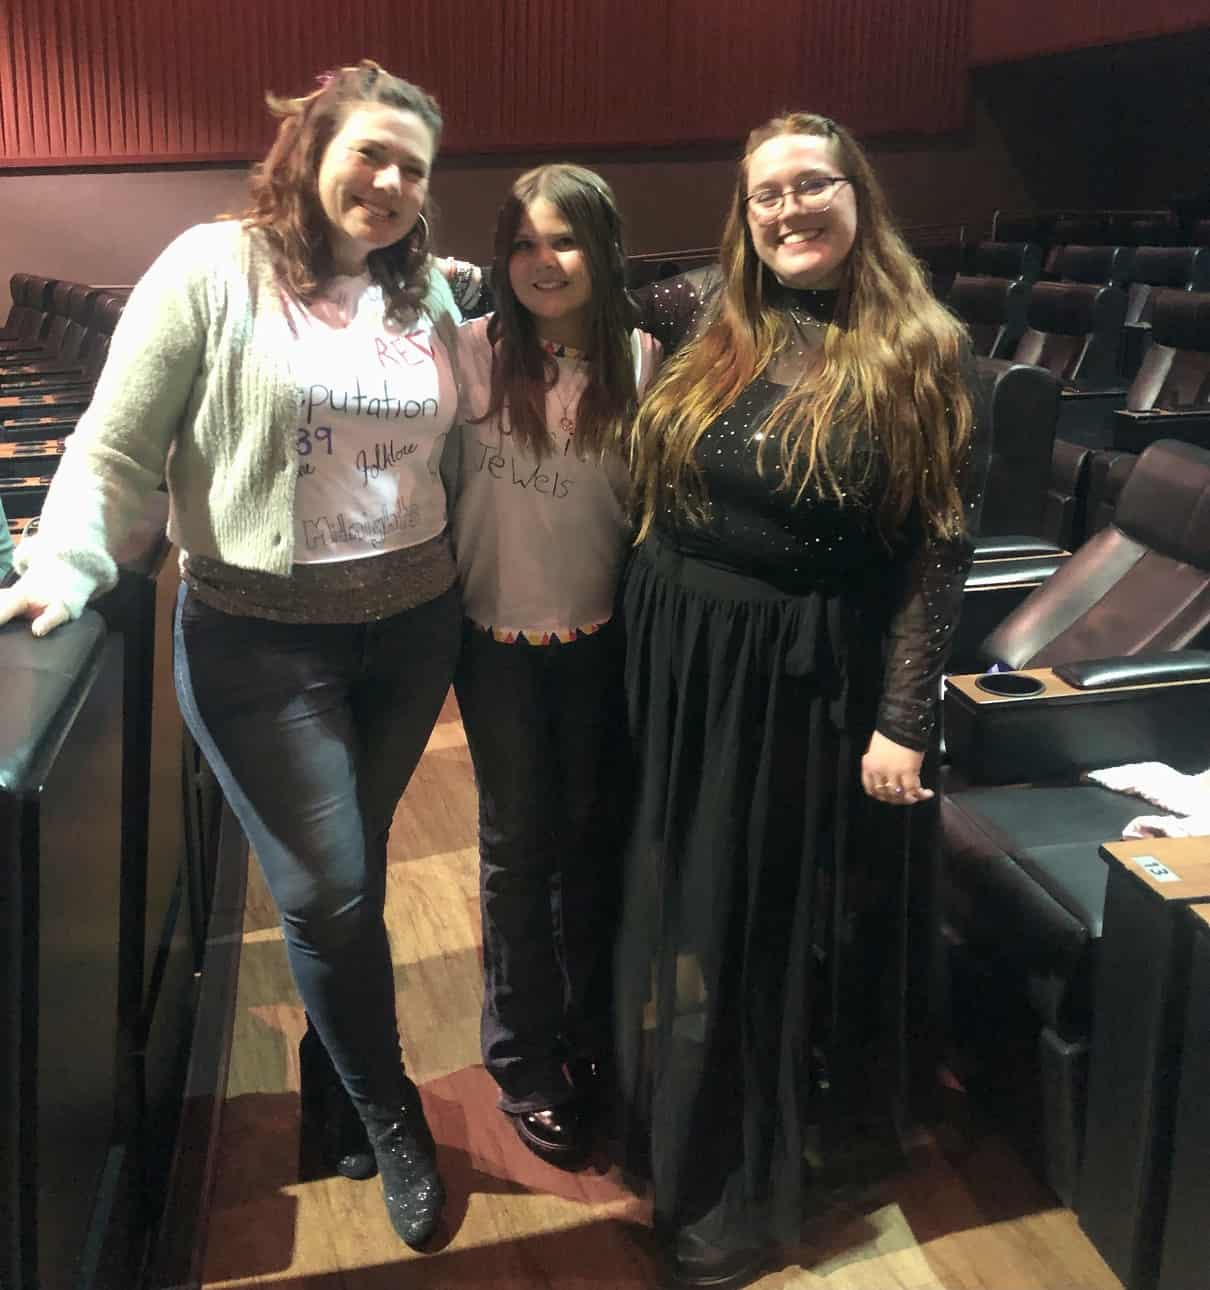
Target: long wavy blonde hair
{"points": [[891, 372]]}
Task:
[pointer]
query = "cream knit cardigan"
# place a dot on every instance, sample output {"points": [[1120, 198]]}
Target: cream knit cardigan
{"points": [[197, 386]]}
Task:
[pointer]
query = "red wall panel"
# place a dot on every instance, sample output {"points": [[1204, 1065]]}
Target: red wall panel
{"points": [[147, 81]]}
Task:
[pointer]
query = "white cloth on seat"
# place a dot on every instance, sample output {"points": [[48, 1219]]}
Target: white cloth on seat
{"points": [[1186, 797], [1168, 826], [1159, 784]]}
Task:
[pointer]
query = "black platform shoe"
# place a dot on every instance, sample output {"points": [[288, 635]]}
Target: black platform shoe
{"points": [[407, 1160], [557, 1135], [332, 1138], [692, 1263]]}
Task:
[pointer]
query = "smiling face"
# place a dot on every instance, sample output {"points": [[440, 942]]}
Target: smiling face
{"points": [[549, 274], [802, 248], [373, 180]]}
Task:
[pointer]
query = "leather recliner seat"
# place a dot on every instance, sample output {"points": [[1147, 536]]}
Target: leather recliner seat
{"points": [[1010, 260], [993, 310], [1022, 878]]}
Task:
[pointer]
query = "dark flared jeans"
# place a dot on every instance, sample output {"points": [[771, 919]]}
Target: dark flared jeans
{"points": [[313, 732], [545, 725]]}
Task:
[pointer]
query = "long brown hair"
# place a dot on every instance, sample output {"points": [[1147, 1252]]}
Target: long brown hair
{"points": [[522, 372], [285, 193], [891, 371]]}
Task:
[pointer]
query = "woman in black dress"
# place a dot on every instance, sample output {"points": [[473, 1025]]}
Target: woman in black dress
{"points": [[809, 468]]}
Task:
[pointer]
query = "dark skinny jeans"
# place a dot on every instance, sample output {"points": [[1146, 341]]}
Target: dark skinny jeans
{"points": [[313, 732]]}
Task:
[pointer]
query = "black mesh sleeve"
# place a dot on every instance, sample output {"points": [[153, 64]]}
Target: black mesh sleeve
{"points": [[922, 629], [672, 309]]}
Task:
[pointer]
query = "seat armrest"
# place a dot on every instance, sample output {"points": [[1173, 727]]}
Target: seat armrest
{"points": [[1105, 393], [45, 682], [1134, 431], [1008, 546], [1163, 416], [1136, 669], [1061, 731], [1013, 571]]}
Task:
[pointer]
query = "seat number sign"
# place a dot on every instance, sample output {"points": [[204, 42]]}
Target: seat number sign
{"points": [[1156, 869]]}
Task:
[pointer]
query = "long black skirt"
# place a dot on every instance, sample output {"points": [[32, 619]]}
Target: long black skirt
{"points": [[760, 957]]}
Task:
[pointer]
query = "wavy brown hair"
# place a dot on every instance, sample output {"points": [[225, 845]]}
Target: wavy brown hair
{"points": [[891, 372], [285, 193], [522, 372]]}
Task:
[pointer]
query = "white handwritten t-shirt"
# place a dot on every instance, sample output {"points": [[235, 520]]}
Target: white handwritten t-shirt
{"points": [[375, 403], [539, 540]]}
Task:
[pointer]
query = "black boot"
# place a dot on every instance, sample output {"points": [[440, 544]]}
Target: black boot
{"points": [[332, 1138], [692, 1263], [407, 1160], [558, 1135]]}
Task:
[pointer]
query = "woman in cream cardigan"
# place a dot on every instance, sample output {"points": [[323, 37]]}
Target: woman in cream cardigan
{"points": [[288, 374]]}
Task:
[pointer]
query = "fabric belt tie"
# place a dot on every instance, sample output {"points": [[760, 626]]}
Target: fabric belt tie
{"points": [[823, 627]]}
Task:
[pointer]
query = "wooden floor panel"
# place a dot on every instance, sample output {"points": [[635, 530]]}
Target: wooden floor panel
{"points": [[965, 1214]]}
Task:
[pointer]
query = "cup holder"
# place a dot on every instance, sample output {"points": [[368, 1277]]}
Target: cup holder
{"points": [[1011, 685]]}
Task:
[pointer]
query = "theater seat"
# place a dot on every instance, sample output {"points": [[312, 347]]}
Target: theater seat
{"points": [[1065, 518], [1012, 553], [993, 310], [67, 339], [1169, 397], [1024, 403], [17, 321], [1008, 226], [1072, 329], [1152, 230], [33, 296], [1074, 230], [1141, 583], [1007, 260], [42, 405], [1022, 880], [1183, 268], [941, 249], [1108, 471], [1109, 266]]}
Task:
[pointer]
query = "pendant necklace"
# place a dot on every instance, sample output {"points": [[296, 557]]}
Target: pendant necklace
{"points": [[567, 422], [557, 350]]}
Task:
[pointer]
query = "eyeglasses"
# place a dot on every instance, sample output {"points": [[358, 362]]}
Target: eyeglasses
{"points": [[815, 193]]}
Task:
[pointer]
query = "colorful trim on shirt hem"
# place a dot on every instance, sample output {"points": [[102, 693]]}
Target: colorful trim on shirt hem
{"points": [[559, 636]]}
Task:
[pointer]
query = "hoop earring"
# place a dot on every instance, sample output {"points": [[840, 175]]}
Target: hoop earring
{"points": [[422, 244]]}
